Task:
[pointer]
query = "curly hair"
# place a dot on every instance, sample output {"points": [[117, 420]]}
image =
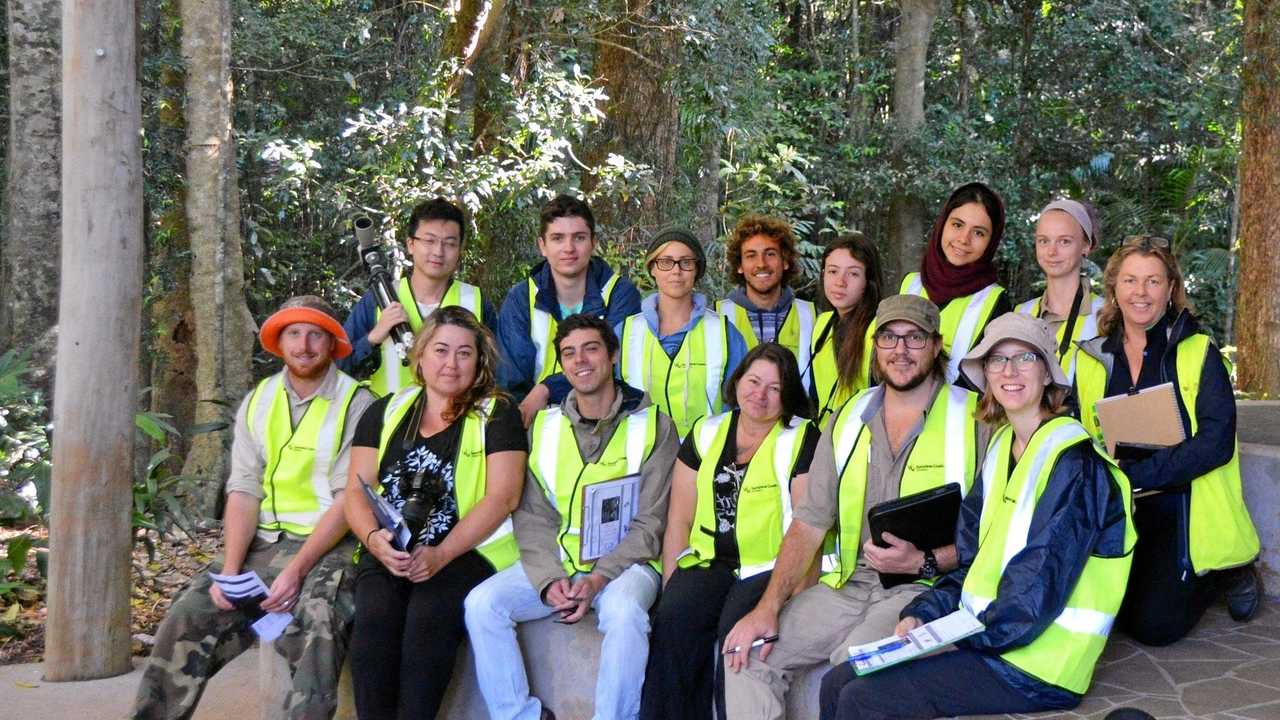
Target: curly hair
{"points": [[1109, 317], [485, 384], [752, 225]]}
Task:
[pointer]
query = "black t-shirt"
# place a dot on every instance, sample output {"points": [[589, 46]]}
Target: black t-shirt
{"points": [[408, 453], [727, 482]]}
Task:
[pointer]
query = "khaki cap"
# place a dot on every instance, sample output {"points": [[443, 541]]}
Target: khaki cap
{"points": [[913, 308], [1025, 329]]}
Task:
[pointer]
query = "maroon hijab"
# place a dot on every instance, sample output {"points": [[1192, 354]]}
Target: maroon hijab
{"points": [[943, 281]]}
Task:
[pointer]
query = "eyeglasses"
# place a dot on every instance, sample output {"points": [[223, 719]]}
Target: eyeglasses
{"points": [[687, 264], [1148, 241], [886, 340], [431, 241], [995, 364]]}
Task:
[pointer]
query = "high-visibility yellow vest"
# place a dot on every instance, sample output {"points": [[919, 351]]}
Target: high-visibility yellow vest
{"points": [[830, 392], [542, 327], [684, 387], [298, 472], [391, 374], [1066, 652], [795, 334], [764, 500], [945, 452], [1221, 533], [1086, 328], [963, 319], [557, 465], [469, 468]]}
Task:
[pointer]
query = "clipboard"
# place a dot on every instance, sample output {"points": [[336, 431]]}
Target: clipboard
{"points": [[607, 511], [925, 519], [1146, 419]]}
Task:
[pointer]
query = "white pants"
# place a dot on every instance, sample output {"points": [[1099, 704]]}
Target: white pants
{"points": [[495, 606]]}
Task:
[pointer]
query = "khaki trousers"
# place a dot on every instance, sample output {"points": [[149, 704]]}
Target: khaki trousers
{"points": [[817, 625]]}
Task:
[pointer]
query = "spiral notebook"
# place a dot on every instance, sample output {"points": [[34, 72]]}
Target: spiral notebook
{"points": [[1147, 419]]}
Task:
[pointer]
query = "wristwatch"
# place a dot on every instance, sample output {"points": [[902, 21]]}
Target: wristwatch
{"points": [[929, 569]]}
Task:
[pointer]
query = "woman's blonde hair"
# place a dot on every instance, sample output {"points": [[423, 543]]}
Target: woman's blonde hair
{"points": [[485, 383], [1109, 317]]}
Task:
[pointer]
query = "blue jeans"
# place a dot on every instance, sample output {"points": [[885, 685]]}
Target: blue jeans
{"points": [[495, 606]]}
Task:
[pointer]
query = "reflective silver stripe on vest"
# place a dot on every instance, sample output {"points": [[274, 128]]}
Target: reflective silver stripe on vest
{"points": [[955, 445], [329, 442], [539, 332], [637, 431], [469, 298], [1085, 620], [707, 434], [636, 371], [747, 571], [1088, 331], [1020, 523], [714, 349], [1029, 307], [783, 448], [804, 344], [846, 438], [974, 603], [916, 286], [262, 411], [966, 331], [548, 441]]}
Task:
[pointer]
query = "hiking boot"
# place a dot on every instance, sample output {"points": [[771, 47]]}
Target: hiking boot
{"points": [[546, 714], [1244, 593], [1128, 713]]}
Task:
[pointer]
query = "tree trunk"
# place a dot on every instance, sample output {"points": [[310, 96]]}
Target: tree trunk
{"points": [[706, 210], [906, 211], [642, 116], [1258, 309], [29, 253], [223, 327], [87, 632]]}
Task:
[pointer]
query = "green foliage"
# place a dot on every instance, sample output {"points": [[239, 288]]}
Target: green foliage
{"points": [[156, 493], [24, 443]]}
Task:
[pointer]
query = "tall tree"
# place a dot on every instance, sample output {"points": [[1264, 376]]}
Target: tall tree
{"points": [[634, 57], [906, 210], [87, 633], [224, 328], [29, 254], [1258, 304]]}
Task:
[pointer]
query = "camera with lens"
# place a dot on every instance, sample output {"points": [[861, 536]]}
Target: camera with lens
{"points": [[420, 498]]}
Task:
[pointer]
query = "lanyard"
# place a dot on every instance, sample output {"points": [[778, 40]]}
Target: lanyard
{"points": [[1070, 323]]}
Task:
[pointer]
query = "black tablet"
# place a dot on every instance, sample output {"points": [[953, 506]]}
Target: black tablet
{"points": [[926, 519]]}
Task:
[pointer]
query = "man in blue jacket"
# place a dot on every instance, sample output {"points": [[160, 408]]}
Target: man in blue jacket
{"points": [[568, 281]]}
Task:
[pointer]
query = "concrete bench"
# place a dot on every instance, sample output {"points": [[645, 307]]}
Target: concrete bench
{"points": [[567, 684]]}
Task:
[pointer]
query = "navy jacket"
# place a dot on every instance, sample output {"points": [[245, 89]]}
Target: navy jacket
{"points": [[1080, 514], [518, 368]]}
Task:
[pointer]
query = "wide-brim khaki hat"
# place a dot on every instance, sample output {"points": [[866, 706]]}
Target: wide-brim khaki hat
{"points": [[1025, 329]]}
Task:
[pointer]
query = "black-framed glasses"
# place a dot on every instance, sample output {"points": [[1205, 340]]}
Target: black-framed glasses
{"points": [[886, 340], [687, 264], [995, 364], [1148, 241]]}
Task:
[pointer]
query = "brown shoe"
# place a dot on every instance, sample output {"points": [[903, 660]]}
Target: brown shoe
{"points": [[547, 714]]}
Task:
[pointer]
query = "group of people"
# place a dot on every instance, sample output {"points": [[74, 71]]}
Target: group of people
{"points": [[743, 443]]}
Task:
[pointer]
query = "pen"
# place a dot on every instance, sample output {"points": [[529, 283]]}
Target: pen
{"points": [[887, 647], [756, 644]]}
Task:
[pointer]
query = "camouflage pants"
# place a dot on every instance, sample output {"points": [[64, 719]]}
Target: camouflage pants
{"points": [[197, 639]]}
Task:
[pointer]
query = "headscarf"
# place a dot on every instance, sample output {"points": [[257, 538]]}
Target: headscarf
{"points": [[944, 281]]}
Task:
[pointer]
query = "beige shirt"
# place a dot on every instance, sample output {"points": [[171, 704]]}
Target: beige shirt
{"points": [[820, 504], [1055, 320], [248, 455]]}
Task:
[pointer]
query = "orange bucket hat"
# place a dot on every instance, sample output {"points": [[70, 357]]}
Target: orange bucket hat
{"points": [[308, 309]]}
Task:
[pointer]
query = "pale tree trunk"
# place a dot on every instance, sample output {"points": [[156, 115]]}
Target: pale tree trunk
{"points": [[87, 632], [1258, 309], [29, 253], [223, 327], [906, 211], [706, 209], [634, 60]]}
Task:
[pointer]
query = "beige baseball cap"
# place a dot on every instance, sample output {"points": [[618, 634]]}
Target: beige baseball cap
{"points": [[1024, 328], [914, 309]]}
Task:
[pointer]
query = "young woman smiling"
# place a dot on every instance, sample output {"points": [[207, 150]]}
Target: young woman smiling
{"points": [[841, 357]]}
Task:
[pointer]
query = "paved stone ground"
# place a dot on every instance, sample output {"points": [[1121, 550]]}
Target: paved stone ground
{"points": [[1223, 671]]}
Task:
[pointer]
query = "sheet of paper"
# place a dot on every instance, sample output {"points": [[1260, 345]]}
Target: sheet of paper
{"points": [[925, 639], [246, 591], [607, 511]]}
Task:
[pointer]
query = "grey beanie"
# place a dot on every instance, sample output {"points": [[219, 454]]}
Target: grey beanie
{"points": [[682, 236]]}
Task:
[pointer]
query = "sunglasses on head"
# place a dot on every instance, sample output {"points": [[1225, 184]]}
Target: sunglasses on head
{"points": [[1148, 241]]}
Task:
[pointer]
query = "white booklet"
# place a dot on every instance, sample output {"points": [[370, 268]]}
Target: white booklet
{"points": [[245, 591], [925, 639], [607, 511]]}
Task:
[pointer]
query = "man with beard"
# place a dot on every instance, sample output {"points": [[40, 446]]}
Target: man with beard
{"points": [[761, 254], [913, 432], [283, 520]]}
